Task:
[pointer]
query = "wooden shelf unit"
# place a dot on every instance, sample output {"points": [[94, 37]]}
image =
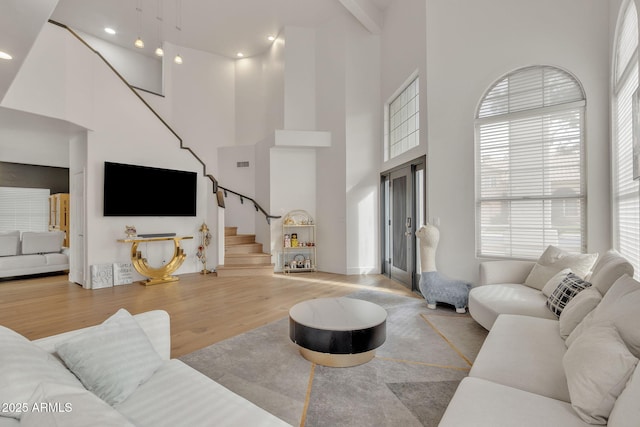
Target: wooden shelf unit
{"points": [[59, 215]]}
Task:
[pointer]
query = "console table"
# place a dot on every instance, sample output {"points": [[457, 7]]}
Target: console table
{"points": [[160, 274]]}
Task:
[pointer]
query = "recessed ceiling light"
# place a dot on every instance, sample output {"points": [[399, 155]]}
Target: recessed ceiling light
{"points": [[240, 54], [109, 30], [271, 38], [5, 55]]}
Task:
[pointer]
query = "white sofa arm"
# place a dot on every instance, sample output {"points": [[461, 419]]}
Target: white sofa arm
{"points": [[506, 271], [155, 324]]}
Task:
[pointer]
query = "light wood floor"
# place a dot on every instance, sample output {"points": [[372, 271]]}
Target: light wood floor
{"points": [[203, 309]]}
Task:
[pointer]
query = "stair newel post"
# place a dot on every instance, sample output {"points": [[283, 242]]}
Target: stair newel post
{"points": [[205, 240]]}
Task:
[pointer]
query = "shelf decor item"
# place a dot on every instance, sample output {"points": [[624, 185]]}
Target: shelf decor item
{"points": [[205, 240], [130, 231]]}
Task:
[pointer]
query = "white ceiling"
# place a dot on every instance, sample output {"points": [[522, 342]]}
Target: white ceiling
{"points": [[224, 27]]}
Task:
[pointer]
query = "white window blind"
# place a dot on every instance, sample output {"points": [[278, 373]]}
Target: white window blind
{"points": [[404, 120], [530, 189], [626, 200], [24, 209]]}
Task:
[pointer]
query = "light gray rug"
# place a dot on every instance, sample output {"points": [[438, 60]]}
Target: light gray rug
{"points": [[408, 383]]}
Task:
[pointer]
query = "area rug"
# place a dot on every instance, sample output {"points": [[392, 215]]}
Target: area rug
{"points": [[408, 383]]}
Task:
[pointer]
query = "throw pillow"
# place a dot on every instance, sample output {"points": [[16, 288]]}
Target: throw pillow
{"points": [[626, 411], [42, 242], [609, 268], [553, 260], [57, 405], [9, 243], [555, 281], [23, 365], [112, 359], [576, 309], [598, 366], [568, 288]]}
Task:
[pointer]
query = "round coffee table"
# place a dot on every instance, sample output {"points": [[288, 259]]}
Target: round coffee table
{"points": [[337, 332]]}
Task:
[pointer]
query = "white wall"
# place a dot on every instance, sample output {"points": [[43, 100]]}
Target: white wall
{"points": [[293, 183], [259, 91], [79, 88], [299, 79], [139, 70], [331, 166], [241, 180], [363, 135], [30, 139], [469, 46]]}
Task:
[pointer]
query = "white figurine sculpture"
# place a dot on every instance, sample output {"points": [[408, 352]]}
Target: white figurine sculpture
{"points": [[434, 286]]}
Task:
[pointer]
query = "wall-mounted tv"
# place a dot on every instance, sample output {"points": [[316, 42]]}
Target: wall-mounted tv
{"points": [[131, 190]]}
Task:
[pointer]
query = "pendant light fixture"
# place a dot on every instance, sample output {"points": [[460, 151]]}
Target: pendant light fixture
{"points": [[178, 58], [159, 51], [139, 43]]}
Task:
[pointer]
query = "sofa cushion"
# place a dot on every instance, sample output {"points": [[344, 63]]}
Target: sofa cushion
{"points": [[56, 259], [553, 260], [626, 411], [555, 281], [488, 301], [22, 261], [576, 310], [598, 366], [481, 403], [44, 242], [24, 365], [526, 353], [609, 268], [74, 407], [112, 359], [178, 395], [9, 243], [571, 286], [620, 307]]}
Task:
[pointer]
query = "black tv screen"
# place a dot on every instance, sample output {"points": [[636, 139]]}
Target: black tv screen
{"points": [[131, 190]]}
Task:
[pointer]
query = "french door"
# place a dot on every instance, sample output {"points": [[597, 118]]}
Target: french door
{"points": [[403, 205]]}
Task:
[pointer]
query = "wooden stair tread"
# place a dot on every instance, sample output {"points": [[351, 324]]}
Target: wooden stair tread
{"points": [[243, 248], [249, 254], [245, 270]]}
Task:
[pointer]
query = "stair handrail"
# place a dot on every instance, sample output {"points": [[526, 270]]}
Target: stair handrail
{"points": [[256, 205], [214, 181]]}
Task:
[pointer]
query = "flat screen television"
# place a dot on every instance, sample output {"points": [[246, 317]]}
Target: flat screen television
{"points": [[131, 190]]}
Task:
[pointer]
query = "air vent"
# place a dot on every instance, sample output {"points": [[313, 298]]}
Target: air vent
{"points": [[242, 164]]}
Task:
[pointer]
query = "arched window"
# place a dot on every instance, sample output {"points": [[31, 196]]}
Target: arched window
{"points": [[626, 203], [530, 186]]}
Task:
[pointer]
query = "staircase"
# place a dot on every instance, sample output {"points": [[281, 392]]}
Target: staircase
{"points": [[243, 256]]}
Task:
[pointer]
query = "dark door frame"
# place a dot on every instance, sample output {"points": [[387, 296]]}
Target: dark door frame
{"points": [[414, 165]]}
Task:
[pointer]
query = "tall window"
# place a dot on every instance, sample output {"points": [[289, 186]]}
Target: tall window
{"points": [[403, 121], [530, 187], [626, 203]]}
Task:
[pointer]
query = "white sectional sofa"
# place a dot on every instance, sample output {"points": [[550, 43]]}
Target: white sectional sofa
{"points": [[33, 253], [119, 374], [537, 369]]}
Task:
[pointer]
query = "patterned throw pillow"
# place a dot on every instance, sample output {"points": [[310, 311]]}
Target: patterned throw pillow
{"points": [[567, 289]]}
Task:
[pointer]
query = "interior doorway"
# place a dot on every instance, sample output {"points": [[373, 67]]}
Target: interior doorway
{"points": [[403, 208]]}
